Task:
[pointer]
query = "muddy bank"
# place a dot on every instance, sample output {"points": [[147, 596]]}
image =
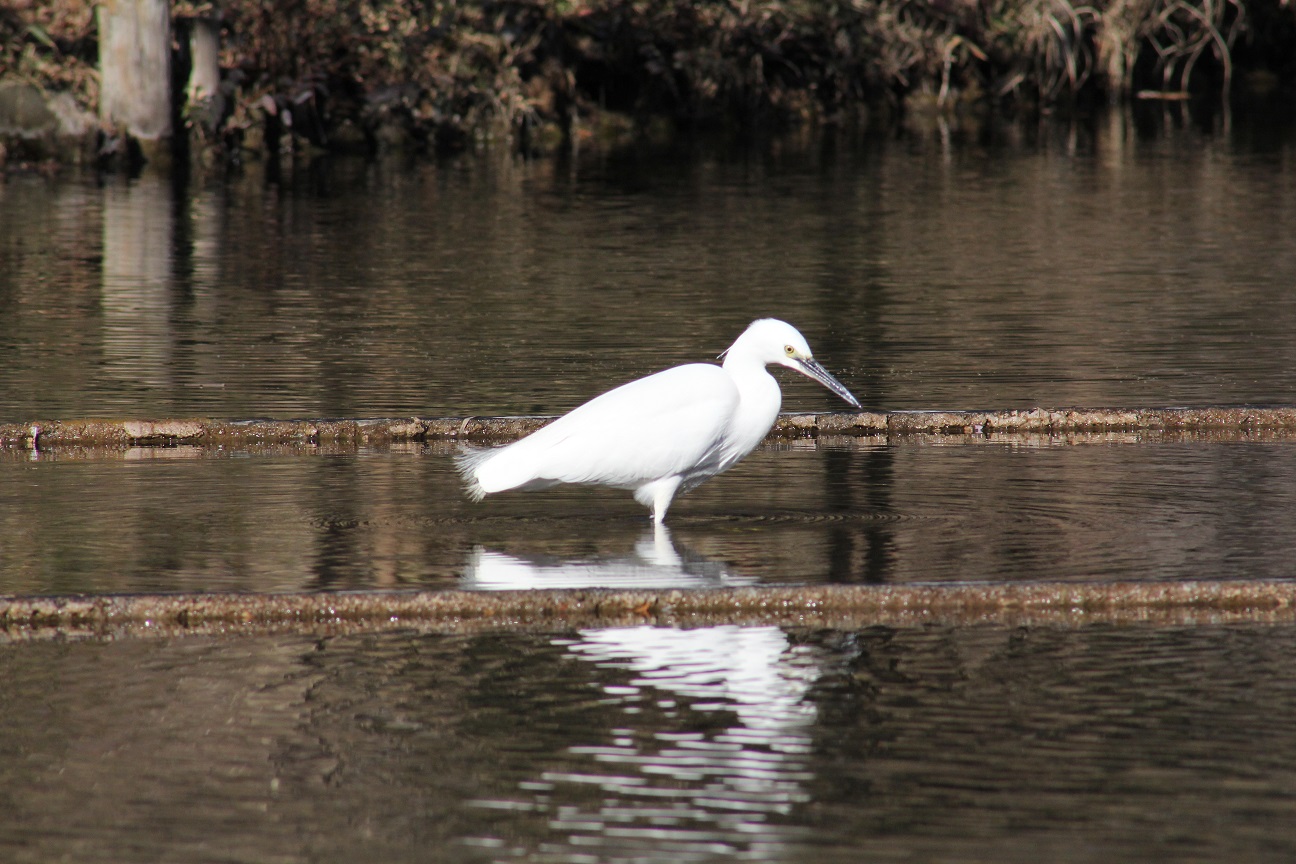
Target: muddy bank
{"points": [[840, 607], [50, 434]]}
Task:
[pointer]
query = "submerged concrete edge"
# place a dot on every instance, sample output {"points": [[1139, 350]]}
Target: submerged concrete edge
{"points": [[226, 433], [830, 606]]}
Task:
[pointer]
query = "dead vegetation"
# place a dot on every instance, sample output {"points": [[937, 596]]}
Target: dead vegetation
{"points": [[374, 74]]}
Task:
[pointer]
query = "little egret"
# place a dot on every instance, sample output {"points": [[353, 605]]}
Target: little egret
{"points": [[662, 434]]}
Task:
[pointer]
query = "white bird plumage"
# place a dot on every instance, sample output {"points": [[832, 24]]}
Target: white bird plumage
{"points": [[662, 434]]}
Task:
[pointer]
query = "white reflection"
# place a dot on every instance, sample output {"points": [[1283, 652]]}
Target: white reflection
{"points": [[752, 671], [711, 753], [655, 563], [139, 227]]}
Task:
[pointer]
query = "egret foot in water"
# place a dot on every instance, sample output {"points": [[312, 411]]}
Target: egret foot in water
{"points": [[659, 435]]}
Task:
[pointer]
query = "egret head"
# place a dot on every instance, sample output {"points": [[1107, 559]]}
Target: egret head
{"points": [[776, 342]]}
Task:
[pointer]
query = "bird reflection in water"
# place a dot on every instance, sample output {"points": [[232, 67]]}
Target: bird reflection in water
{"points": [[701, 737], [700, 747], [654, 563]]}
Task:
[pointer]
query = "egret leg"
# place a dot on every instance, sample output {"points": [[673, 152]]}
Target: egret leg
{"points": [[658, 495], [662, 498]]}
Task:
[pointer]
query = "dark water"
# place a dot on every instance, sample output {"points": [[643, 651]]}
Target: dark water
{"points": [[1117, 263], [650, 744], [847, 512], [1088, 265]]}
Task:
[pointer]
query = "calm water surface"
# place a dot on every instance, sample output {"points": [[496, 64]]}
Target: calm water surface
{"points": [[1107, 264], [656, 744], [1095, 265], [848, 512]]}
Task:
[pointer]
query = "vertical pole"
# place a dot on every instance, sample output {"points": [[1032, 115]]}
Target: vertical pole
{"points": [[135, 68], [205, 101]]}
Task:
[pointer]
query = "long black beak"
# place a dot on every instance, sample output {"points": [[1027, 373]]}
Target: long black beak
{"points": [[811, 369]]}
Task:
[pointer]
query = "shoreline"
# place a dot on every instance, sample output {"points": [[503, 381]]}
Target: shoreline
{"points": [[542, 76]]}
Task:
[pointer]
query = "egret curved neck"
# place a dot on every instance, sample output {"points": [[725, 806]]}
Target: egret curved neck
{"points": [[759, 401]]}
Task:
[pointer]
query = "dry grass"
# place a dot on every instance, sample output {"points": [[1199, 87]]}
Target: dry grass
{"points": [[53, 44], [447, 74]]}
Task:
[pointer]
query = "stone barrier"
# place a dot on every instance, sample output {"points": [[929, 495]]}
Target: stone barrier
{"points": [[42, 434], [826, 606]]}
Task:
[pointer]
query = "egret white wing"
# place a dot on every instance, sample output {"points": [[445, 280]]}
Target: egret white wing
{"points": [[670, 423]]}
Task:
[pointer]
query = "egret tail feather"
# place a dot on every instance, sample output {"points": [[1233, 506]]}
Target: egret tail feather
{"points": [[660, 435], [467, 461]]}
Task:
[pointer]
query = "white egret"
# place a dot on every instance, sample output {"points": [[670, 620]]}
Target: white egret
{"points": [[659, 435]]}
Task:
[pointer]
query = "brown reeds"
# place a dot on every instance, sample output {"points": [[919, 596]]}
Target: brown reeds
{"points": [[369, 74]]}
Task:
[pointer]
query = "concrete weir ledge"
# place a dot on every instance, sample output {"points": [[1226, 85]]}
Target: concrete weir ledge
{"points": [[1183, 603], [1056, 604], [41, 434]]}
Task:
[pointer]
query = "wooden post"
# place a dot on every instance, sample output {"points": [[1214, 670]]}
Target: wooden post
{"points": [[205, 102], [135, 69]]}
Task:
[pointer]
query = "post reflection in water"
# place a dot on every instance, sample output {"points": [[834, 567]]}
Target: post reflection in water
{"points": [[710, 758], [655, 563], [138, 241]]}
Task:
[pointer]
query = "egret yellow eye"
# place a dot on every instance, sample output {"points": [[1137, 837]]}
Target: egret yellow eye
{"points": [[674, 430]]}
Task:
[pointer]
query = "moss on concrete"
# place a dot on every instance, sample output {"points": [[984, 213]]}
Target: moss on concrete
{"points": [[1221, 421], [832, 606]]}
